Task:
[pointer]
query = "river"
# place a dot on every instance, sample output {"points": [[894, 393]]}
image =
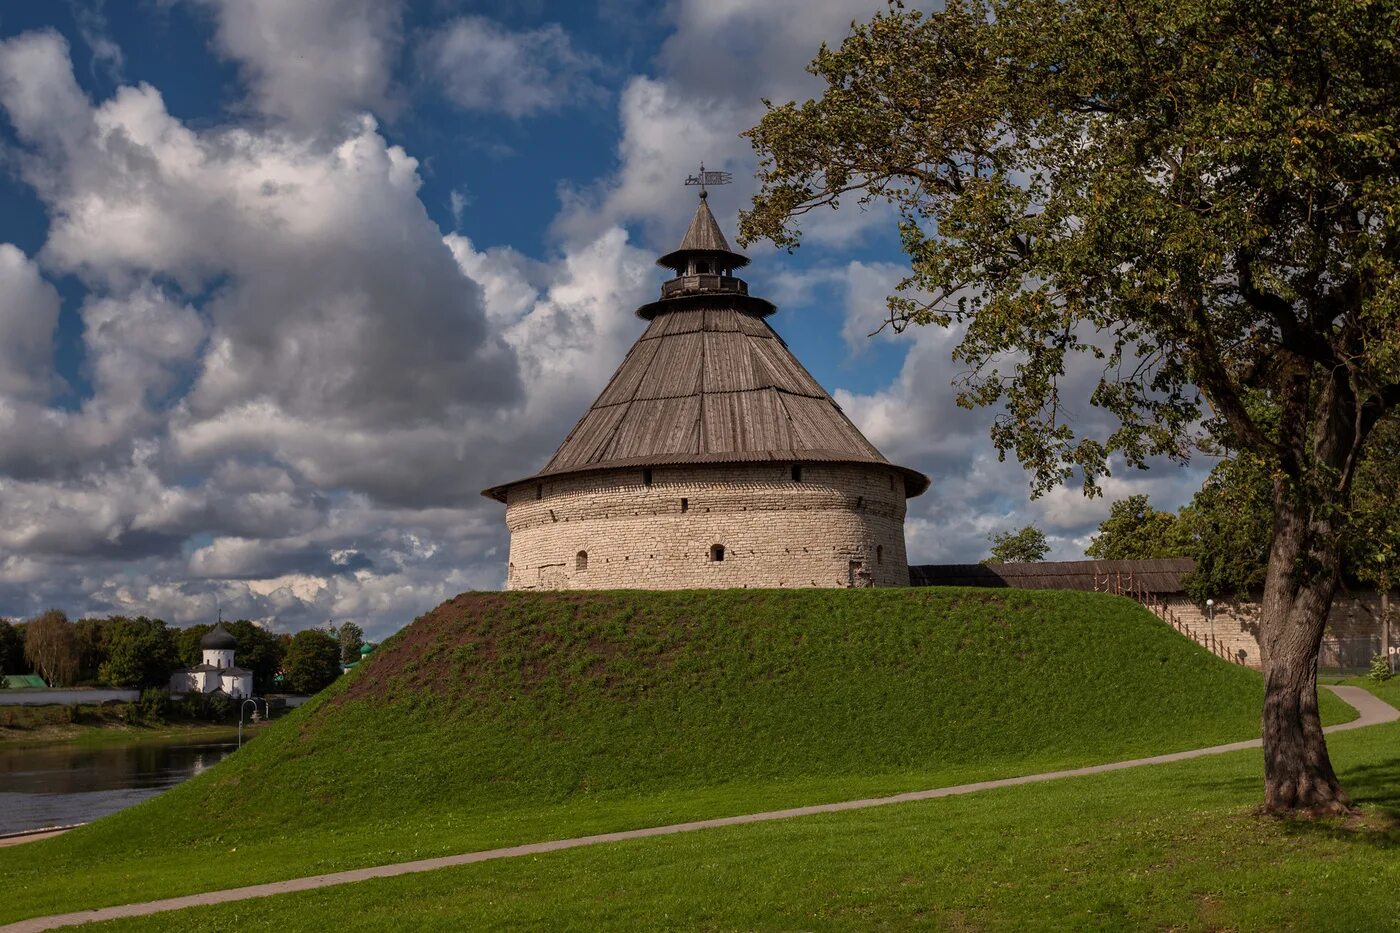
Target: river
{"points": [[63, 784]]}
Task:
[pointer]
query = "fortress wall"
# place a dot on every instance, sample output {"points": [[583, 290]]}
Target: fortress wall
{"points": [[1352, 638], [840, 519]]}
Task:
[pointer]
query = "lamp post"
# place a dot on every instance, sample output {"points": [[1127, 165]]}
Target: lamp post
{"points": [[1210, 617], [267, 714]]}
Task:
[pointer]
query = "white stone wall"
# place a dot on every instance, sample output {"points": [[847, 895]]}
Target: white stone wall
{"points": [[218, 657], [837, 525]]}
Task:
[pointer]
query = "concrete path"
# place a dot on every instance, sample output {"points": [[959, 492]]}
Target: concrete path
{"points": [[34, 835], [1373, 712]]}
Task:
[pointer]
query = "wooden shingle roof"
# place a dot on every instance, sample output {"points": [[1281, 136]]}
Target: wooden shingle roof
{"points": [[703, 237], [710, 382], [1159, 575]]}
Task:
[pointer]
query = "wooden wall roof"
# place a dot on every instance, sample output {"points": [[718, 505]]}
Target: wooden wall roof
{"points": [[1153, 576]]}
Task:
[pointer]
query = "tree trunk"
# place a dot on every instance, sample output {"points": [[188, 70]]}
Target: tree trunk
{"points": [[1385, 631], [1303, 568]]}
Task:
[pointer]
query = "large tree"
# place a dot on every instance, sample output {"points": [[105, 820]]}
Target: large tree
{"points": [[312, 661], [139, 652], [1134, 530], [1200, 198], [259, 650], [1026, 545], [11, 650], [351, 638], [51, 645]]}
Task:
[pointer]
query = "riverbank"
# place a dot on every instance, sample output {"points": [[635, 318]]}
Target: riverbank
{"points": [[97, 726]]}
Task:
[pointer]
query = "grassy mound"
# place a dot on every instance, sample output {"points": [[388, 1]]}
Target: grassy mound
{"points": [[503, 718]]}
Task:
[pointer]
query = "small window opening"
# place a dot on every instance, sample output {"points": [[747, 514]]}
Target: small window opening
{"points": [[717, 552], [891, 481], [539, 491], [646, 477], [796, 473], [685, 505], [879, 553], [581, 560]]}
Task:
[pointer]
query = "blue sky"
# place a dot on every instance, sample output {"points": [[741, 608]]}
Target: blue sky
{"points": [[283, 285]]}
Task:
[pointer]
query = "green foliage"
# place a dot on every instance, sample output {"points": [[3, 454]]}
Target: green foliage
{"points": [[187, 644], [502, 718], [1380, 669], [312, 661], [11, 649], [1013, 547], [139, 652], [204, 707], [351, 638], [1373, 542], [1134, 530], [51, 646], [259, 651], [1200, 195], [1230, 522], [92, 650], [154, 705]]}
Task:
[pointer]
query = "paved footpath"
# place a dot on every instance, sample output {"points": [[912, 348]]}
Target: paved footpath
{"points": [[1373, 712]]}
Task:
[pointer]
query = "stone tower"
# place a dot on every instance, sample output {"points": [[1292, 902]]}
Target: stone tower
{"points": [[712, 459]]}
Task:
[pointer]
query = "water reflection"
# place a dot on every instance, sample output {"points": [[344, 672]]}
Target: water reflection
{"points": [[66, 784]]}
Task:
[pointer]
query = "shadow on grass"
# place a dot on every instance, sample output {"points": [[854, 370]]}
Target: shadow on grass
{"points": [[1375, 788]]}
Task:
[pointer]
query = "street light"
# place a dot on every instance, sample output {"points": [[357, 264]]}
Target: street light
{"points": [[1210, 616], [267, 714]]}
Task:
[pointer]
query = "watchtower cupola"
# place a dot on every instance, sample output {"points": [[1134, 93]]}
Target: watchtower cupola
{"points": [[704, 266]]}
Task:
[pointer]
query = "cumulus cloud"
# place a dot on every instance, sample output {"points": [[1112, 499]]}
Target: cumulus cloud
{"points": [[712, 73], [312, 62], [28, 315], [298, 385], [480, 65], [916, 421]]}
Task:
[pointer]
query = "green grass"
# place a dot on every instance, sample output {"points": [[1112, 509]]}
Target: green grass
{"points": [[1388, 690], [507, 718], [86, 735], [1165, 847], [94, 726]]}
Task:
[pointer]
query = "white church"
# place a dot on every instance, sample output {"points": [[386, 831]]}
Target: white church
{"points": [[216, 673]]}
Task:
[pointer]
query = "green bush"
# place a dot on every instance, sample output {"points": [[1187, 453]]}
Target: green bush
{"points": [[1380, 669], [154, 705], [204, 707]]}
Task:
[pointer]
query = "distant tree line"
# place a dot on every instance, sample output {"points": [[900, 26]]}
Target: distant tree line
{"points": [[141, 653]]}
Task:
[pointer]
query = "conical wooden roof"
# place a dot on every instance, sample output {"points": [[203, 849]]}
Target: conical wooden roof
{"points": [[710, 382], [703, 237]]}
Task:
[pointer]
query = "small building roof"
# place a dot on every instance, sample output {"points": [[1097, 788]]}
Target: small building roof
{"points": [[203, 668], [218, 638], [24, 681], [237, 672]]}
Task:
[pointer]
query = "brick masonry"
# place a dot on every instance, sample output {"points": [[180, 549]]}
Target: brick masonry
{"points": [[840, 525], [1352, 638]]}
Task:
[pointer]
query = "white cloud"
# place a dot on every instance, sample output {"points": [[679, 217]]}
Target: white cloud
{"points": [[28, 316], [298, 384], [480, 65], [712, 73], [311, 62]]}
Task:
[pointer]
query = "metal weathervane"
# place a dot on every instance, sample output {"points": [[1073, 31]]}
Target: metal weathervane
{"points": [[709, 178]]}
